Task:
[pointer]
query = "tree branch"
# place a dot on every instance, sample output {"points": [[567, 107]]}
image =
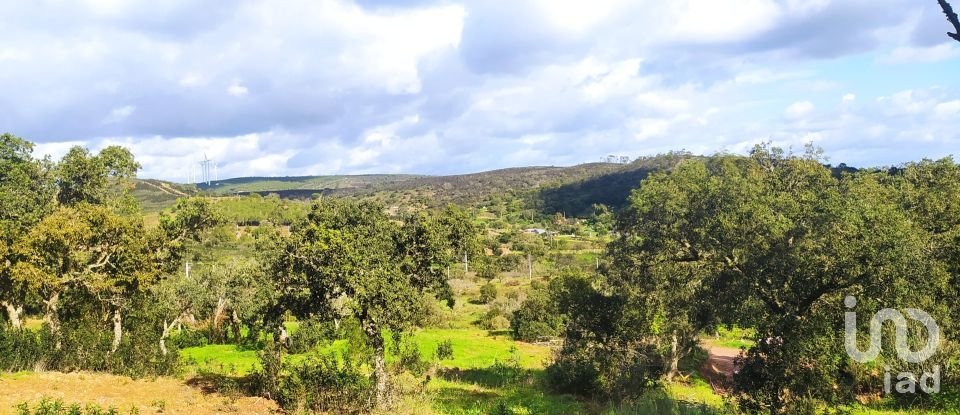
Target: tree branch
{"points": [[952, 18]]}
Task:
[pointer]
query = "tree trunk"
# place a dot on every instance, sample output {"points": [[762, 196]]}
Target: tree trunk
{"points": [[14, 313], [167, 328], [218, 318], [381, 396], [235, 326], [117, 329], [51, 315], [674, 358]]}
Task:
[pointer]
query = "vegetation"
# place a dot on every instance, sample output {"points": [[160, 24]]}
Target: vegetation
{"points": [[600, 288]]}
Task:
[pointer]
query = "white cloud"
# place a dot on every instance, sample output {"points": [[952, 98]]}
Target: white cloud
{"points": [[236, 89], [948, 109], [119, 114], [718, 21], [923, 54], [339, 86], [799, 110]]}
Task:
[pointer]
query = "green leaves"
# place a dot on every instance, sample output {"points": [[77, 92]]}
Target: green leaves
{"points": [[86, 178]]}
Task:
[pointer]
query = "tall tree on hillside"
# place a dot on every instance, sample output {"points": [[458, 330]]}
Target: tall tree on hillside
{"points": [[353, 251], [26, 196]]}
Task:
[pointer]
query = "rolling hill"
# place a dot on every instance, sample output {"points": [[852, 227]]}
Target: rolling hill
{"points": [[548, 189]]}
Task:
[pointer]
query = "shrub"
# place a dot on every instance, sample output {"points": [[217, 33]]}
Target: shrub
{"points": [[22, 349], [189, 338], [410, 360], [310, 334], [48, 406], [609, 372], [445, 350], [488, 293], [498, 323], [85, 343], [324, 384], [537, 317]]}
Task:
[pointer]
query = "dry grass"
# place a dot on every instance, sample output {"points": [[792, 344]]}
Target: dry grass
{"points": [[149, 396]]}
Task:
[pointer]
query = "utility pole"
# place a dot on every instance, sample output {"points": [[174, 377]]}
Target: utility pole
{"points": [[466, 265]]}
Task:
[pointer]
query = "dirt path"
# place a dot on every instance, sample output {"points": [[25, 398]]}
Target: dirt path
{"points": [[719, 367], [149, 396]]}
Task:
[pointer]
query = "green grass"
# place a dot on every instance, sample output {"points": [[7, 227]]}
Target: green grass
{"points": [[226, 359]]}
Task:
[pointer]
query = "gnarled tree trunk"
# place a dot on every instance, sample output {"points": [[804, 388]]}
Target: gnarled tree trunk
{"points": [[117, 329], [674, 368], [14, 312], [217, 319], [381, 394], [167, 328], [52, 317]]}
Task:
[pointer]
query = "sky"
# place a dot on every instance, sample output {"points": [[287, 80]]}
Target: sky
{"points": [[309, 87]]}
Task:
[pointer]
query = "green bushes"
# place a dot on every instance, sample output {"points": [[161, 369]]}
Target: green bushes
{"points": [[328, 383], [488, 293], [445, 350], [537, 318], [310, 334], [84, 343], [189, 338], [48, 406], [22, 349]]}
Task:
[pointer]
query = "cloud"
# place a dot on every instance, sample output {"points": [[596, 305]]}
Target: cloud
{"points": [[799, 110], [237, 90], [120, 114], [450, 86]]}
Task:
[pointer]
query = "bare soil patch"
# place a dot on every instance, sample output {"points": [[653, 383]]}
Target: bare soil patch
{"points": [[149, 396]]}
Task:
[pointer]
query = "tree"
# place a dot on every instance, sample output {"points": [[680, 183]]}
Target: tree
{"points": [[773, 241], [230, 291], [952, 18], [26, 196], [94, 179], [91, 250], [353, 251]]}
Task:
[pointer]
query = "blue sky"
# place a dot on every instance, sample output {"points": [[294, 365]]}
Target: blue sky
{"points": [[442, 86]]}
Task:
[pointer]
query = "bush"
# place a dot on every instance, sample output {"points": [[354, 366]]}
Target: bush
{"points": [[608, 372], [445, 350], [410, 360], [310, 334], [498, 323], [324, 384], [488, 293], [537, 317], [85, 343], [189, 338], [22, 349], [48, 406]]}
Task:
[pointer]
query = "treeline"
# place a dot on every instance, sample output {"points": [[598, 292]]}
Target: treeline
{"points": [[780, 243], [75, 250]]}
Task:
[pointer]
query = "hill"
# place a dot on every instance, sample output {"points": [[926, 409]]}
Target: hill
{"points": [[156, 195], [571, 190], [301, 184]]}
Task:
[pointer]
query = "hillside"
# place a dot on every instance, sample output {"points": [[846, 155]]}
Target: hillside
{"points": [[155, 195], [571, 190], [300, 184]]}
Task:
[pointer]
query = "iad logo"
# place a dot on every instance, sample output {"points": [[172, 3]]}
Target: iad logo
{"points": [[906, 381]]}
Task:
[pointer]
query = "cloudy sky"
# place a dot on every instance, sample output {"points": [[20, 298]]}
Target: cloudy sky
{"points": [[445, 86]]}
